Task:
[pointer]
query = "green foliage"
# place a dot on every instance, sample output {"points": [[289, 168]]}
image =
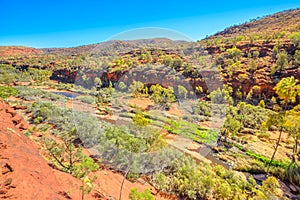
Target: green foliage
{"points": [[172, 126], [262, 104], [295, 38], [252, 116], [39, 76], [9, 74], [140, 120], [199, 89], [122, 86], [98, 82], [271, 188], [282, 61], [202, 108], [162, 182], [292, 174], [138, 89], [104, 95], [86, 99], [234, 53], [70, 159], [266, 160], [172, 62], [288, 89], [136, 195], [221, 96], [231, 125], [87, 126], [192, 131], [192, 181], [136, 139], [162, 96], [252, 65], [6, 92], [182, 92], [292, 126], [64, 155], [297, 57], [29, 94]]}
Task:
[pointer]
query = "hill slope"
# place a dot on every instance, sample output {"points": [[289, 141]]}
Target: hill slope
{"points": [[283, 21]]}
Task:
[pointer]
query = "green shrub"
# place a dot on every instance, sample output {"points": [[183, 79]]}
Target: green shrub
{"points": [[136, 195], [234, 53], [86, 99], [6, 92], [202, 108], [295, 38], [292, 174], [219, 96]]}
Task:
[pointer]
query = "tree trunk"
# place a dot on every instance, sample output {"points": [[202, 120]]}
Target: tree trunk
{"points": [[277, 144], [295, 151], [123, 181], [82, 191]]}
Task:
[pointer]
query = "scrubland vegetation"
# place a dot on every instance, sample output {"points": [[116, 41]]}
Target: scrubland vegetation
{"points": [[257, 104]]}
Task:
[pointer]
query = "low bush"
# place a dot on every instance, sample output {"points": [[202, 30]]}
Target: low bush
{"points": [[6, 92]]}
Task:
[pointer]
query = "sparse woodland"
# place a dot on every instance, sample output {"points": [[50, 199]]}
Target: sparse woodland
{"points": [[258, 101]]}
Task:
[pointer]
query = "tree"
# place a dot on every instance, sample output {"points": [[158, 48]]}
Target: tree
{"points": [[277, 119], [138, 88], [287, 90], [234, 53], [253, 65], [104, 95], [295, 38], [219, 96], [127, 148], [297, 57], [292, 126], [98, 82], [282, 60], [231, 125], [83, 169], [162, 96], [182, 92], [122, 86], [70, 159], [256, 90]]}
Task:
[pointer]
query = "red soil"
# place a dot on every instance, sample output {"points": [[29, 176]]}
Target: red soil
{"points": [[25, 174]]}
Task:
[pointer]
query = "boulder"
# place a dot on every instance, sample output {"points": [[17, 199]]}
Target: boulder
{"points": [[23, 126], [18, 107], [248, 131], [17, 120], [11, 111], [6, 168]]}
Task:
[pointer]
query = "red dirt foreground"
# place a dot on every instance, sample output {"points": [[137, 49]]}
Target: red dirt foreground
{"points": [[25, 174]]}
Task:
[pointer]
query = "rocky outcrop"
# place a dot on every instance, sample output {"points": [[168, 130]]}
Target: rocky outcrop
{"points": [[24, 174]]}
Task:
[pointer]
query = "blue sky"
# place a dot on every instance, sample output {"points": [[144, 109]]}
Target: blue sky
{"points": [[58, 23]]}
